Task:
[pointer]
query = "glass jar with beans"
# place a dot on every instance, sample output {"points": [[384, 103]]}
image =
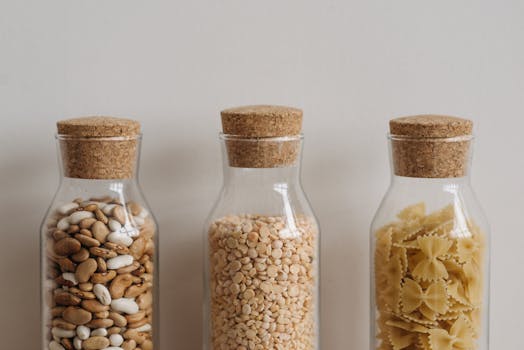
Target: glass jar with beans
{"points": [[262, 239], [99, 243]]}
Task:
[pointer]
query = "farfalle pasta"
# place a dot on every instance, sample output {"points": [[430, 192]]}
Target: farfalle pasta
{"points": [[428, 281]]}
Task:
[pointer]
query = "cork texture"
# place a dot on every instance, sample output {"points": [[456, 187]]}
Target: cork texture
{"points": [[262, 136], [431, 146], [262, 121], [99, 147]]}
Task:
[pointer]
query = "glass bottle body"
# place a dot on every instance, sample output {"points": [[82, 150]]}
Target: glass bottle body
{"points": [[261, 261], [98, 265], [430, 266]]}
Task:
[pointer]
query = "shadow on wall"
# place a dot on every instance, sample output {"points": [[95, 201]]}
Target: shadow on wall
{"points": [[26, 193]]}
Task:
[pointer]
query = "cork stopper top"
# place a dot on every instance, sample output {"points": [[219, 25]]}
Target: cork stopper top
{"points": [[430, 126], [262, 121], [430, 146], [98, 127], [99, 147]]}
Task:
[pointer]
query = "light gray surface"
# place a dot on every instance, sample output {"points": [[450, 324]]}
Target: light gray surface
{"points": [[351, 65]]}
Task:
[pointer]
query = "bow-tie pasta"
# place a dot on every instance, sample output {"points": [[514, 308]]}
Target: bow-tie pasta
{"points": [[428, 280]]}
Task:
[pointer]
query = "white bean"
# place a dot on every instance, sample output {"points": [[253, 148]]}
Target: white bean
{"points": [[143, 213], [144, 328], [108, 209], [100, 332], [126, 305], [66, 208], [116, 339], [83, 332], [138, 220], [77, 343], [69, 276], [119, 262], [62, 333], [114, 225], [102, 294], [120, 238], [63, 224], [78, 216], [54, 345]]}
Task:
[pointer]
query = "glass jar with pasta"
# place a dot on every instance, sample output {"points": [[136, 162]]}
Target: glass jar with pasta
{"points": [[429, 242]]}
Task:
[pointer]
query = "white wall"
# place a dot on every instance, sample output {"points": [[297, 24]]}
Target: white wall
{"points": [[173, 65]]}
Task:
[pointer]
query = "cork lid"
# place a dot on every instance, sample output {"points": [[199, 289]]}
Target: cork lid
{"points": [[98, 127], [430, 125], [99, 147], [430, 146], [262, 136], [262, 121]]}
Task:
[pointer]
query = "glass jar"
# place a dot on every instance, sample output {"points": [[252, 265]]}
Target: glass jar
{"points": [[98, 243], [429, 242], [262, 239]]}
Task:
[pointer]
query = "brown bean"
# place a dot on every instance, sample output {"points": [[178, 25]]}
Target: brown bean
{"points": [[114, 330], [102, 266], [119, 214], [67, 343], [87, 223], [129, 345], [119, 285], [85, 232], [101, 314], [57, 311], [104, 277], [103, 252], [86, 287], [95, 343], [94, 306], [136, 290], [85, 270], [100, 231], [82, 294], [66, 265], [136, 317], [137, 248], [61, 323], [147, 345], [119, 319], [99, 214], [100, 323], [137, 324], [67, 299], [77, 315], [87, 241], [58, 235], [67, 246], [82, 255], [135, 265], [117, 248], [145, 300], [134, 208], [73, 229], [134, 335], [91, 207]]}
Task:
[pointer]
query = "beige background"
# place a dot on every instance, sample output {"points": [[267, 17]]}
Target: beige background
{"points": [[173, 65]]}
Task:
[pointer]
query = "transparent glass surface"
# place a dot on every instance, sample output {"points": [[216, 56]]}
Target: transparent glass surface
{"points": [[99, 260], [430, 266], [261, 260]]}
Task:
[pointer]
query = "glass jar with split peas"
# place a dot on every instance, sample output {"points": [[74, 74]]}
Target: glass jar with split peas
{"points": [[430, 242], [262, 239], [98, 242]]}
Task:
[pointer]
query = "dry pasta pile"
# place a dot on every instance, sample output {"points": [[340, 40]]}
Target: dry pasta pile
{"points": [[428, 281]]}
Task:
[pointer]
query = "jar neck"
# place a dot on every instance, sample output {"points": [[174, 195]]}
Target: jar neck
{"points": [[260, 178]]}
